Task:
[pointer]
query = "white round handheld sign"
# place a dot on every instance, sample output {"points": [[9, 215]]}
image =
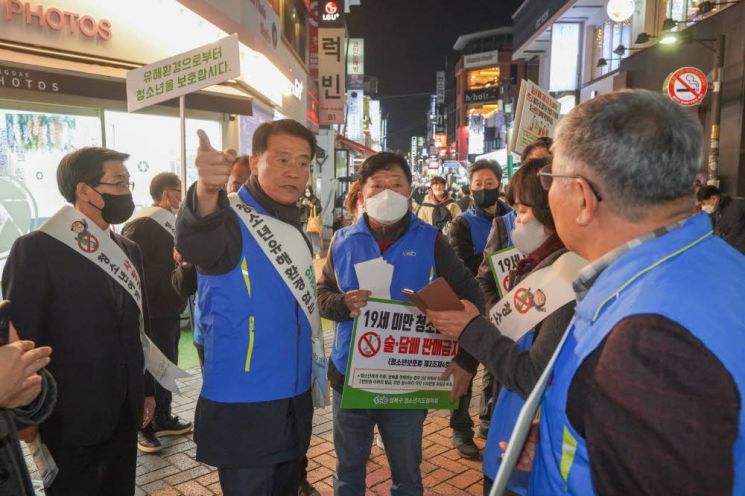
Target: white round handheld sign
{"points": [[687, 86]]}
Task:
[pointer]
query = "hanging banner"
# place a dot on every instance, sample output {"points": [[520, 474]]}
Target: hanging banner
{"points": [[356, 57], [332, 77], [185, 73], [536, 116], [396, 359]]}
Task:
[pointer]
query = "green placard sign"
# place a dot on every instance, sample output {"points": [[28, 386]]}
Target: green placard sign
{"points": [[396, 358]]}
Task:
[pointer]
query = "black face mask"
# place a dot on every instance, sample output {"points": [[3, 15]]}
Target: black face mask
{"points": [[116, 208], [485, 198]]}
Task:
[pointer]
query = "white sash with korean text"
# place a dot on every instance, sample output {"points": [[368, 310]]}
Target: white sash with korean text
{"points": [[82, 235], [163, 217], [287, 251], [537, 296]]}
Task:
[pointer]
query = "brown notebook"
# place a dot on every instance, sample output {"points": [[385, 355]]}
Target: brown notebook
{"points": [[437, 295]]}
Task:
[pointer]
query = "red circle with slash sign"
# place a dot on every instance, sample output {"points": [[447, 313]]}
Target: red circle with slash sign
{"points": [[523, 300], [369, 344], [87, 242], [687, 86]]}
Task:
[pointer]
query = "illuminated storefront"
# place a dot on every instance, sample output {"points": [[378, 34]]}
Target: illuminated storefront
{"points": [[62, 70]]}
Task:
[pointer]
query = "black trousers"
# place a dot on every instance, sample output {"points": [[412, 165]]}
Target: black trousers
{"points": [[274, 480], [460, 420], [165, 334], [104, 469]]}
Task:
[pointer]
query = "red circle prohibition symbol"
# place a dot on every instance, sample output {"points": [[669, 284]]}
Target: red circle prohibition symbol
{"points": [[523, 300], [88, 242], [369, 344]]}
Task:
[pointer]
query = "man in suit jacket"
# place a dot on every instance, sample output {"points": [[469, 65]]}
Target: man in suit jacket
{"points": [[62, 300]]}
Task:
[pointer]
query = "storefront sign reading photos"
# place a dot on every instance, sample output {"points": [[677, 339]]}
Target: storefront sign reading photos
{"points": [[396, 360], [181, 74]]}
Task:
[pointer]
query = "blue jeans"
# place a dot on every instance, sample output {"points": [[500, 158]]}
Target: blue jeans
{"points": [[401, 431]]}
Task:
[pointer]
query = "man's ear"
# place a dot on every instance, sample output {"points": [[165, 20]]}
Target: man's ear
{"points": [[253, 163], [587, 202]]}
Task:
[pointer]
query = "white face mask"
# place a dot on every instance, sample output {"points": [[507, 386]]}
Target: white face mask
{"points": [[709, 209], [439, 193], [387, 207], [528, 237]]}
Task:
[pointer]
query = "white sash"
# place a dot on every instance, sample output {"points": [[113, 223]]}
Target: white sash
{"points": [[537, 296], [163, 217], [286, 249], [84, 237]]}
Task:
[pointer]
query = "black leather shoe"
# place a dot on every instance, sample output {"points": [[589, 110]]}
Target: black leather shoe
{"points": [[466, 448], [147, 442], [483, 431], [171, 426]]}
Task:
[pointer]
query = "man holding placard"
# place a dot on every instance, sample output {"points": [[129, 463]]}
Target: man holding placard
{"points": [[77, 287], [264, 364], [386, 251]]}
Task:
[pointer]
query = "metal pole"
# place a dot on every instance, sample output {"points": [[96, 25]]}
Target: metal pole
{"points": [[716, 111], [182, 133]]}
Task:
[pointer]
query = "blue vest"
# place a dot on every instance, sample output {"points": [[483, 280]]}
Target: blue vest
{"points": [[653, 278], [412, 256], [257, 340], [503, 419], [509, 224], [480, 226]]}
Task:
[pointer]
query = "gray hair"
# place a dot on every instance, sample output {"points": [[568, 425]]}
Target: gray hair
{"points": [[640, 147]]}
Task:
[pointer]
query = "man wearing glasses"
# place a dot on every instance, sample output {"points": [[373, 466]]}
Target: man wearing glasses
{"points": [[153, 228], [76, 286]]}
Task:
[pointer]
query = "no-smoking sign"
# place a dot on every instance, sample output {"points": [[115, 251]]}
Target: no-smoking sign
{"points": [[369, 344], [687, 86]]}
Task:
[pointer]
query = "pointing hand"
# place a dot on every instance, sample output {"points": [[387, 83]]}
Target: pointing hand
{"points": [[213, 166]]}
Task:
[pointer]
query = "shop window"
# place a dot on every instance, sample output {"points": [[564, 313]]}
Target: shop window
{"points": [[681, 10], [31, 146], [295, 26], [482, 78], [607, 39], [133, 134]]}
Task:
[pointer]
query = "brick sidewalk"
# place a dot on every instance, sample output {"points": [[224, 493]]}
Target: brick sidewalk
{"points": [[174, 471]]}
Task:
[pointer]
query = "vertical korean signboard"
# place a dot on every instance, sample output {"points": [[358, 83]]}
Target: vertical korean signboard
{"points": [[396, 360], [356, 57], [331, 62]]}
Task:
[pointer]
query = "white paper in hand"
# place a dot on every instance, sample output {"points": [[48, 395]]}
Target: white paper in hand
{"points": [[376, 276]]}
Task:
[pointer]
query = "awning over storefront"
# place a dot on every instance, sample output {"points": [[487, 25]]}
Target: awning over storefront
{"points": [[357, 149]]}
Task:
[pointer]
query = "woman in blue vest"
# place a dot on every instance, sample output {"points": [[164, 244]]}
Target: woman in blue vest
{"points": [[516, 365], [418, 253], [468, 234]]}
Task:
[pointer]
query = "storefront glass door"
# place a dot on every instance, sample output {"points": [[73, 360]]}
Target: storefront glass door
{"points": [[31, 146]]}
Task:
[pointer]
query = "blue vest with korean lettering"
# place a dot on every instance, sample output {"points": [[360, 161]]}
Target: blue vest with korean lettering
{"points": [[653, 278], [257, 340], [480, 226], [506, 410], [412, 256]]}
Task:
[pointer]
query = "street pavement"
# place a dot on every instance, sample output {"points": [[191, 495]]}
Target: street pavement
{"points": [[174, 471]]}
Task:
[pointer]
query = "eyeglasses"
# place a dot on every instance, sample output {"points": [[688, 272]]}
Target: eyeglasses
{"points": [[121, 186], [547, 178]]}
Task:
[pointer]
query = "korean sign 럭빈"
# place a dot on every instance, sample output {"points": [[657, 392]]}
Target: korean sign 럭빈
{"points": [[185, 73], [396, 359], [536, 117], [331, 62]]}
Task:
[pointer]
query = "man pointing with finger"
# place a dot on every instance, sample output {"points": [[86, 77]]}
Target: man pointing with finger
{"points": [[257, 295]]}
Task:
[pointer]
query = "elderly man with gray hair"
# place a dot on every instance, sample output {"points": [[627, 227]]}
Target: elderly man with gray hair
{"points": [[646, 392]]}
